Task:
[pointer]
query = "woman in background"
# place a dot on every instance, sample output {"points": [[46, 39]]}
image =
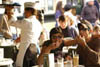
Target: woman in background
{"points": [[59, 12]]}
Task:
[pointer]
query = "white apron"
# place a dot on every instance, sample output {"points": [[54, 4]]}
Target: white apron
{"points": [[30, 32]]}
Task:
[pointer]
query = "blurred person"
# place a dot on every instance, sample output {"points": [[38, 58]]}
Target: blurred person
{"points": [[44, 34], [54, 45], [5, 28], [96, 3], [88, 47], [75, 18], [30, 32], [70, 11], [67, 12], [66, 30], [90, 12], [59, 12]]}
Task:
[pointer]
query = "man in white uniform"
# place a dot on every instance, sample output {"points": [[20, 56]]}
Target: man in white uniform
{"points": [[30, 31]]}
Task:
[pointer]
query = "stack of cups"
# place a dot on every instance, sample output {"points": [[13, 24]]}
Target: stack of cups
{"points": [[60, 62], [68, 63]]}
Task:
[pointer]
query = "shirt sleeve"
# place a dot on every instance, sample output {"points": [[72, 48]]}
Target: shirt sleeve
{"points": [[57, 14], [16, 23], [91, 57]]}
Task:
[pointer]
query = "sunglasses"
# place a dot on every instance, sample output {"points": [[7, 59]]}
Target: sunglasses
{"points": [[55, 37]]}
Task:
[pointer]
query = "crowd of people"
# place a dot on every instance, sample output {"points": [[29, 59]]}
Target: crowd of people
{"points": [[84, 31]]}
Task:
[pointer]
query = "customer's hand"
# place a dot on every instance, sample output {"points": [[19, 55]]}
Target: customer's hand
{"points": [[55, 45], [81, 40]]}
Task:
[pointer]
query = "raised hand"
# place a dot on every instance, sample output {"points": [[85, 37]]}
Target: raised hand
{"points": [[80, 40], [55, 45]]}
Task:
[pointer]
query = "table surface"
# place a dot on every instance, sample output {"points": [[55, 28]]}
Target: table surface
{"points": [[6, 61]]}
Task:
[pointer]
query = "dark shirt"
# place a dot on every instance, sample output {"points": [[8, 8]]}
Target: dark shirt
{"points": [[69, 32], [57, 52], [90, 13], [94, 44], [86, 56]]}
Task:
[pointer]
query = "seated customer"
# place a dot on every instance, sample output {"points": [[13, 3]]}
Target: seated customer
{"points": [[88, 56], [54, 45]]}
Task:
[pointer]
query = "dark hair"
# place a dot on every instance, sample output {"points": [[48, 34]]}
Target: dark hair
{"points": [[67, 7], [32, 10], [39, 15], [82, 26], [62, 18], [55, 31], [59, 7], [87, 23]]}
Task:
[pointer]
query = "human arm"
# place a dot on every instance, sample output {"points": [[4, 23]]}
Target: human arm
{"points": [[16, 23], [91, 57], [69, 42], [47, 47], [4, 27]]}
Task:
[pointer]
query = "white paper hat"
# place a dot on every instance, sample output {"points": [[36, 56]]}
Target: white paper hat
{"points": [[37, 6], [29, 5], [9, 2]]}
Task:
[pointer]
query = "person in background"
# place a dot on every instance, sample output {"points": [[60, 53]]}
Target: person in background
{"points": [[70, 11], [5, 28], [90, 13], [96, 3], [75, 18], [59, 12], [67, 31], [30, 32], [44, 34]]}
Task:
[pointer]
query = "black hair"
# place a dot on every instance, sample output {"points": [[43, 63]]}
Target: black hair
{"points": [[87, 23], [62, 18], [39, 14], [67, 7], [31, 9], [55, 31], [82, 26]]}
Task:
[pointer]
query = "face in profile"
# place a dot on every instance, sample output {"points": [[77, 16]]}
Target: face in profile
{"points": [[27, 13], [74, 11], [84, 32]]}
